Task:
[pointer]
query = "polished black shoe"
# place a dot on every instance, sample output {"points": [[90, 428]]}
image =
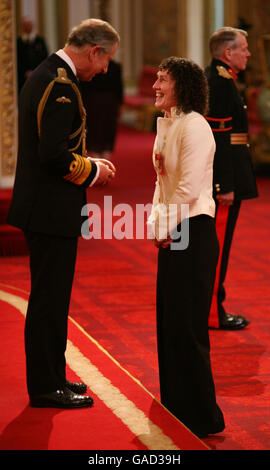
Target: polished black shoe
{"points": [[61, 399], [76, 387], [233, 322]]}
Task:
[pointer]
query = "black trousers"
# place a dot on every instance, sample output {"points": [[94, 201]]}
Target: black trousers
{"points": [[185, 281], [231, 223], [52, 264], [226, 219]]}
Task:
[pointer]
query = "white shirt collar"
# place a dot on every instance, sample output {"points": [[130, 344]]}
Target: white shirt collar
{"points": [[61, 53], [175, 113], [28, 37]]}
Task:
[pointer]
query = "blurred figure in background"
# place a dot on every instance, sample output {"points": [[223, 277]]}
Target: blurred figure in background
{"points": [[31, 50], [102, 99]]}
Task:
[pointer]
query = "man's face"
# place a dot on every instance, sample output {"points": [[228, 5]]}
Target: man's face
{"points": [[165, 91], [97, 61], [239, 55], [27, 26]]}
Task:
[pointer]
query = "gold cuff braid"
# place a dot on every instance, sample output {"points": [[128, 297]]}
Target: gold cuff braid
{"points": [[80, 168]]}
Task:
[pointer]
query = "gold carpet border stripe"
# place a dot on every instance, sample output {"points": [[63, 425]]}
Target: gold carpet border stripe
{"points": [[130, 375], [112, 358], [17, 302], [136, 420], [96, 344], [99, 347]]}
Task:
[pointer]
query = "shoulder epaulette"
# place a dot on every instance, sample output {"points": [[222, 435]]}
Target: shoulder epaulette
{"points": [[223, 72], [62, 76]]}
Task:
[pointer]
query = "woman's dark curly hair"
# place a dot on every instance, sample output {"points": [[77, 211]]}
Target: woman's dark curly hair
{"points": [[191, 87]]}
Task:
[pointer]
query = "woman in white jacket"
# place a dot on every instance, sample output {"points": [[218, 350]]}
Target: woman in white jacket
{"points": [[182, 221]]}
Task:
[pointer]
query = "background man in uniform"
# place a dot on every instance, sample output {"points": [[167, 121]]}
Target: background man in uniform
{"points": [[31, 50], [49, 192], [233, 173]]}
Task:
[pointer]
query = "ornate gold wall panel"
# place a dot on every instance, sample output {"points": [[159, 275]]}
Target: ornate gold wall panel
{"points": [[8, 91], [160, 30], [62, 21], [231, 12], [256, 14]]}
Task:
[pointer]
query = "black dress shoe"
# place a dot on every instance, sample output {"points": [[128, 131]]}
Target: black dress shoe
{"points": [[61, 399], [233, 322], [76, 387]]}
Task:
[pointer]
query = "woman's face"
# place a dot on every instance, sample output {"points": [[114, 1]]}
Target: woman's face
{"points": [[165, 91]]}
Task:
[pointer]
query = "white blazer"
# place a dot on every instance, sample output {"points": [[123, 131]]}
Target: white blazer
{"points": [[187, 146]]}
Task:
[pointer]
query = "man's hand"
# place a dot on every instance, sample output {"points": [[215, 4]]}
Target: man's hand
{"points": [[105, 174], [106, 170], [106, 162], [226, 199]]}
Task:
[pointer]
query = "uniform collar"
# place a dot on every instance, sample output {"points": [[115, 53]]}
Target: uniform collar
{"points": [[28, 37], [61, 53]]}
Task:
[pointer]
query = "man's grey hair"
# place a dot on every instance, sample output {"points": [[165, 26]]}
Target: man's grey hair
{"points": [[222, 38], [94, 32]]}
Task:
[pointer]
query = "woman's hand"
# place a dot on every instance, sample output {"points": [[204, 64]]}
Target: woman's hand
{"points": [[163, 243]]}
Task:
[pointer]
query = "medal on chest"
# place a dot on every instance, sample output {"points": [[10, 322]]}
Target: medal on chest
{"points": [[159, 157], [159, 162]]}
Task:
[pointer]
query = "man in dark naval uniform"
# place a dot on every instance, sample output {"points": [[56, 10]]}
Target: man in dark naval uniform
{"points": [[49, 192], [233, 179]]}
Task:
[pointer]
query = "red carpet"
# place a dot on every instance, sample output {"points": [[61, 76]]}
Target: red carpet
{"points": [[114, 301], [125, 416]]}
